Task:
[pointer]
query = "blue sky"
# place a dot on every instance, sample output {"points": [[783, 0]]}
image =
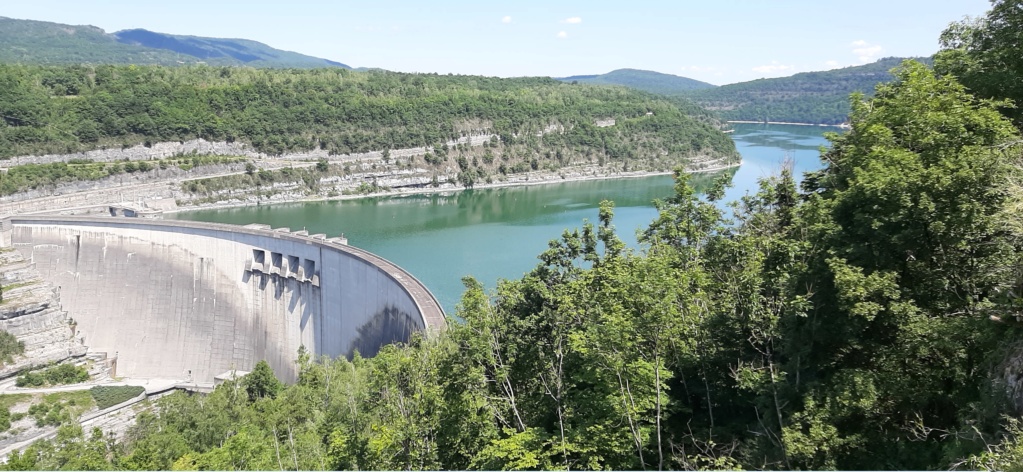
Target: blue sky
{"points": [[717, 41]]}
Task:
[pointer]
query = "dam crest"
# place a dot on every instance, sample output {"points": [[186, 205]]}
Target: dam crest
{"points": [[190, 300]]}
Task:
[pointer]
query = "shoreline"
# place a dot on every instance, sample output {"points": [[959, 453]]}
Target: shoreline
{"points": [[842, 126], [443, 189]]}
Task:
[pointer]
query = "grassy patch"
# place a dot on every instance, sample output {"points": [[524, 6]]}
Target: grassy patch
{"points": [[61, 407], [9, 400], [108, 396]]}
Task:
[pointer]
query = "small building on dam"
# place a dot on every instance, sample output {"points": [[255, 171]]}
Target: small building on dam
{"points": [[188, 300]]}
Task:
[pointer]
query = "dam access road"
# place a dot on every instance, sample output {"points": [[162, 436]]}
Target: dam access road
{"points": [[191, 301]]}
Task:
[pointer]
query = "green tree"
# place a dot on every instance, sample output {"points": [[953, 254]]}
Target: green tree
{"points": [[261, 382], [10, 346], [983, 53], [911, 258]]}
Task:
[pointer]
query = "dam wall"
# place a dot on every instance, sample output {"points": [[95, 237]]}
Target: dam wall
{"points": [[190, 301]]}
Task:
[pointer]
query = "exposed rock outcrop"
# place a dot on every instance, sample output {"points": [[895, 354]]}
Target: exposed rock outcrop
{"points": [[31, 312]]}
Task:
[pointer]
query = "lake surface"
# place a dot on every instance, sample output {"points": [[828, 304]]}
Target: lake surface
{"points": [[496, 234]]}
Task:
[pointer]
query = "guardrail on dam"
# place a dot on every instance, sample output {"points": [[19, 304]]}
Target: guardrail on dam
{"points": [[188, 300]]}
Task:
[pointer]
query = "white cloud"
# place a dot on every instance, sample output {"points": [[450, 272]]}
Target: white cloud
{"points": [[506, 20], [772, 68], [865, 51], [575, 20], [562, 34]]}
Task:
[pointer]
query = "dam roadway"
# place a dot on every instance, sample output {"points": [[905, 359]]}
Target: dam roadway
{"points": [[190, 301]]}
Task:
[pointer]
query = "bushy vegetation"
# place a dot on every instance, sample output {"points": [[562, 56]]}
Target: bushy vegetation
{"points": [[49, 414], [32, 176], [61, 374], [60, 408], [10, 346], [107, 396]]}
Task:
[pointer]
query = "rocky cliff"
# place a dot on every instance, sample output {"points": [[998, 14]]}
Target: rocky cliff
{"points": [[31, 311]]}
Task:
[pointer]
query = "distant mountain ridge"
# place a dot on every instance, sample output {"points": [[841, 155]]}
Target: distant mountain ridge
{"points": [[645, 80], [42, 42], [809, 97], [242, 50]]}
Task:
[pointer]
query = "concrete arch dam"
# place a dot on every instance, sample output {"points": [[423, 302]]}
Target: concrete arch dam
{"points": [[188, 300]]}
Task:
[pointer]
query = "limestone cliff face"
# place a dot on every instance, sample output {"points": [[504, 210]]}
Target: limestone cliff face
{"points": [[31, 312]]}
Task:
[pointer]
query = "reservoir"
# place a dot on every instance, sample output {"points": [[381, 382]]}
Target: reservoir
{"points": [[498, 233]]}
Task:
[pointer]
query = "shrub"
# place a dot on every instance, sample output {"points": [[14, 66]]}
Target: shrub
{"points": [[62, 374], [50, 414], [10, 347], [107, 396]]}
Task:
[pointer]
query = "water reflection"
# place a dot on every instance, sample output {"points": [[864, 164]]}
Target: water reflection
{"points": [[783, 137], [497, 233]]}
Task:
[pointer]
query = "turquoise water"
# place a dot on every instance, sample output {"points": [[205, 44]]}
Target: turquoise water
{"points": [[498, 233]]}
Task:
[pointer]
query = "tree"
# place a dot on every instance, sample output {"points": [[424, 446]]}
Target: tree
{"points": [[984, 54], [910, 258], [10, 346], [261, 382]]}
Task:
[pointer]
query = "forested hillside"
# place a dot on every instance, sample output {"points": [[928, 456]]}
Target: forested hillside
{"points": [[855, 324], [66, 109], [809, 97], [223, 51], [42, 42], [868, 319], [645, 80]]}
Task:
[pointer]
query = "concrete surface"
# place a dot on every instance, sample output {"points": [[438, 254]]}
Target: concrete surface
{"points": [[189, 300]]}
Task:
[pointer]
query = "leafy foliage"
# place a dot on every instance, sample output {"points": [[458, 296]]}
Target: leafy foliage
{"points": [[60, 408], [261, 382], [10, 346], [61, 374], [983, 54]]}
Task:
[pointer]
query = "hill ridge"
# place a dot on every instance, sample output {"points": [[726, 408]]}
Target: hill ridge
{"points": [[640, 79], [26, 41]]}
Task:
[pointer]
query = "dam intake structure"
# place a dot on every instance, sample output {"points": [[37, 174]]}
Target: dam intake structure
{"points": [[191, 301]]}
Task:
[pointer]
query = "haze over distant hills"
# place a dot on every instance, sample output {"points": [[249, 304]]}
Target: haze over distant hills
{"points": [[41, 42], [645, 80], [247, 52], [808, 97]]}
